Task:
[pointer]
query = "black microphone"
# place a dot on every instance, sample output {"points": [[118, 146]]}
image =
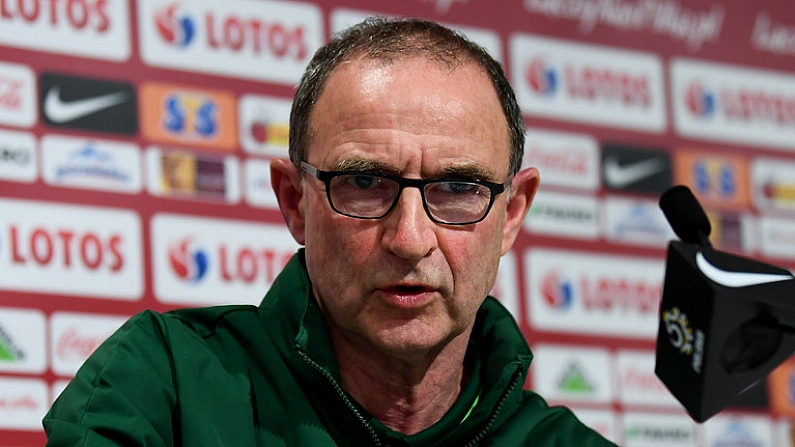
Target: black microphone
{"points": [[686, 216], [725, 321]]}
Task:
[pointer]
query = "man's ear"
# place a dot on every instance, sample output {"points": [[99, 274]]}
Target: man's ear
{"points": [[523, 189], [286, 183]]}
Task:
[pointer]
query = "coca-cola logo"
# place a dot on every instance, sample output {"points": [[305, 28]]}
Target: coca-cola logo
{"points": [[76, 346], [11, 92], [22, 403]]}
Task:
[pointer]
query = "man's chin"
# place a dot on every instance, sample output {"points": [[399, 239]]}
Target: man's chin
{"points": [[413, 341]]}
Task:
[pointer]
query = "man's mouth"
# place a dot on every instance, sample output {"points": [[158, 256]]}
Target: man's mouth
{"points": [[408, 295]]}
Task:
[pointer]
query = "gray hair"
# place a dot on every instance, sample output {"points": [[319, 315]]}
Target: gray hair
{"points": [[389, 40]]}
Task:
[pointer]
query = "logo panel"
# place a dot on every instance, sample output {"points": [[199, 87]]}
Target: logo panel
{"points": [[720, 181], [740, 431], [733, 104], [203, 261], [567, 160], [17, 95], [264, 125], [628, 168], [583, 293], [182, 174], [183, 115], [573, 374], [637, 383], [90, 28], [91, 164], [70, 250], [659, 430], [17, 156], [635, 222], [587, 83], [92, 104], [23, 403], [565, 215], [263, 40], [22, 341], [75, 336], [773, 184]]}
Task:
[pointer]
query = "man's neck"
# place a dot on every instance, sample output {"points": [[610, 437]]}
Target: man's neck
{"points": [[406, 396]]}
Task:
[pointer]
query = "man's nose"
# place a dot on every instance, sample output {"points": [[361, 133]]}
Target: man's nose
{"points": [[410, 233]]}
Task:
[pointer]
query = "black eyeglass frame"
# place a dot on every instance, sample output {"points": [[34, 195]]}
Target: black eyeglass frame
{"points": [[402, 182]]}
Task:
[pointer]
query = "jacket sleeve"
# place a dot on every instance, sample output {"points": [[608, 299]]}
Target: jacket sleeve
{"points": [[124, 395]]}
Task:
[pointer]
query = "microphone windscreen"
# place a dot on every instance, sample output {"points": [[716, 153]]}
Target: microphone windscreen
{"points": [[685, 214]]}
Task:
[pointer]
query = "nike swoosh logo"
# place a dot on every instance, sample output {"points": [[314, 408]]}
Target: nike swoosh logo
{"points": [[736, 279], [59, 111], [619, 176]]}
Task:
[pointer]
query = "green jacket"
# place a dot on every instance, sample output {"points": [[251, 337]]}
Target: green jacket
{"points": [[242, 376]]}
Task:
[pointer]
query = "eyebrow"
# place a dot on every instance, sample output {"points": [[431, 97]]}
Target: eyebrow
{"points": [[364, 165], [467, 171], [461, 171]]}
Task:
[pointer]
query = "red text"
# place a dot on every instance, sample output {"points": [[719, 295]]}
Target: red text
{"points": [[239, 34], [44, 246], [78, 14]]}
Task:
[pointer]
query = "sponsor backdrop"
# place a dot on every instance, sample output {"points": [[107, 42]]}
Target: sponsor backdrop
{"points": [[134, 146]]}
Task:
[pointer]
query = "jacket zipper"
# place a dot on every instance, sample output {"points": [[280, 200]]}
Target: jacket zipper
{"points": [[474, 442], [341, 393]]}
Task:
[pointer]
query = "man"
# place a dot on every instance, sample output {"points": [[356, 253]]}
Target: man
{"points": [[404, 188]]}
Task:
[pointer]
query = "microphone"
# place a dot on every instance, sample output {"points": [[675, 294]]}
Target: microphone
{"points": [[687, 218], [725, 321]]}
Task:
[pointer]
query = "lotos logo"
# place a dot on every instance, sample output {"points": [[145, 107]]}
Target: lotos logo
{"points": [[46, 246], [187, 262], [541, 77], [269, 40], [700, 101], [174, 26], [601, 293], [558, 292]]}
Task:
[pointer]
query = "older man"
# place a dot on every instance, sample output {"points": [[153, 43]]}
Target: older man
{"points": [[405, 188]]}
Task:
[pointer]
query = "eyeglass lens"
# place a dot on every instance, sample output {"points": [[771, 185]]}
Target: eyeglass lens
{"points": [[368, 196]]}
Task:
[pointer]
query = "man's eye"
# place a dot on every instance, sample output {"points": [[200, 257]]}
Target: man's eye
{"points": [[363, 181], [459, 187]]}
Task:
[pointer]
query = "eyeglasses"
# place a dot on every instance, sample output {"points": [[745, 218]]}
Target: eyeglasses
{"points": [[367, 195]]}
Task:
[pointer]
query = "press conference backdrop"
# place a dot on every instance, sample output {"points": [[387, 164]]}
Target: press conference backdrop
{"points": [[134, 146]]}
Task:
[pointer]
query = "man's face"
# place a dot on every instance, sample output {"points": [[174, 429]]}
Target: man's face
{"points": [[404, 284]]}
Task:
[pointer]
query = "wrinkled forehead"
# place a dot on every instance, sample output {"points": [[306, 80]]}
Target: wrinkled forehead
{"points": [[452, 112]]}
